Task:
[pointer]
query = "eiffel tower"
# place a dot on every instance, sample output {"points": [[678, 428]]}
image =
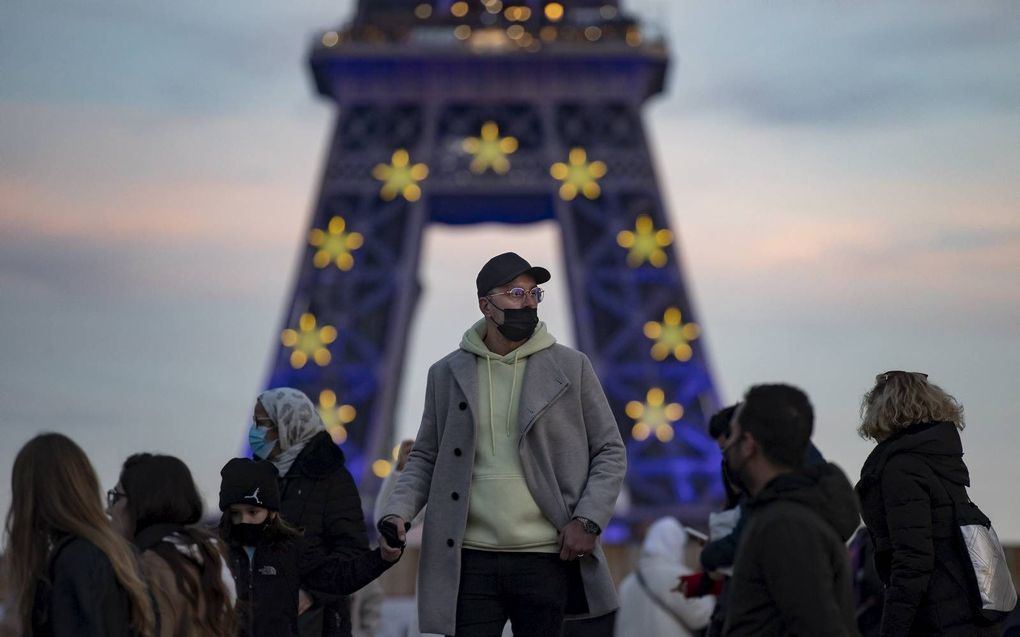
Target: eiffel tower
{"points": [[514, 112]]}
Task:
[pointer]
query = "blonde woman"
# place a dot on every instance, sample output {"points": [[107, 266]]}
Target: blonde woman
{"points": [[71, 573], [907, 489]]}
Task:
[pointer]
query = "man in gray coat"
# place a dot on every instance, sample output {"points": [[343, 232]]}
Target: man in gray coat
{"points": [[520, 461]]}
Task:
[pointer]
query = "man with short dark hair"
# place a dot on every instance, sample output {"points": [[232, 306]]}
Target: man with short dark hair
{"points": [[520, 460], [792, 573]]}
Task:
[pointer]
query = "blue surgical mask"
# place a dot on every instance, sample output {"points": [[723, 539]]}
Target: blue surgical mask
{"points": [[258, 443]]}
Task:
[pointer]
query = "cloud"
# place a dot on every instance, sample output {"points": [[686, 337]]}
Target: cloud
{"points": [[184, 56], [851, 65]]}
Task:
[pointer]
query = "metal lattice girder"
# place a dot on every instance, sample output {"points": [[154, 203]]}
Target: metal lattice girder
{"points": [[434, 128]]}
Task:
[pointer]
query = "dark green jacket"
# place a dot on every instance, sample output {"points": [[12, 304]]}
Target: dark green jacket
{"points": [[792, 573]]}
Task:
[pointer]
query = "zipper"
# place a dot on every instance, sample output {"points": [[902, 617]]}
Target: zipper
{"points": [[251, 593]]}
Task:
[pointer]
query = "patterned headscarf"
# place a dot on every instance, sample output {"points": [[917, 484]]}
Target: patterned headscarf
{"points": [[296, 419]]}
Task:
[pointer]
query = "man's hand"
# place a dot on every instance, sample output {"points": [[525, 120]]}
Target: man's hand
{"points": [[575, 542]]}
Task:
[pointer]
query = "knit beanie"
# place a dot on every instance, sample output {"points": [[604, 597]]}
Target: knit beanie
{"points": [[246, 481]]}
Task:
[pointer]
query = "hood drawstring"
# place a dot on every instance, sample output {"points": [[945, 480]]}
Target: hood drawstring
{"points": [[513, 388], [492, 426], [509, 409]]}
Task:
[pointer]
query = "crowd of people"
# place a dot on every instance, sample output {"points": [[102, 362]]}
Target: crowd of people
{"points": [[515, 472]]}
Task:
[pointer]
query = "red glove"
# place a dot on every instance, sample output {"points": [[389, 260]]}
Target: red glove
{"points": [[699, 585]]}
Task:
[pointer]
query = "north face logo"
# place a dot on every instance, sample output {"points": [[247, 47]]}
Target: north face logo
{"points": [[254, 496], [267, 570]]}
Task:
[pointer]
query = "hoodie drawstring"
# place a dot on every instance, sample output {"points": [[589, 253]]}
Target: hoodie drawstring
{"points": [[513, 388], [492, 420], [509, 409]]}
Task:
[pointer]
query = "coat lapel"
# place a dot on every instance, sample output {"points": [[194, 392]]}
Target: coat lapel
{"points": [[465, 373], [544, 382]]}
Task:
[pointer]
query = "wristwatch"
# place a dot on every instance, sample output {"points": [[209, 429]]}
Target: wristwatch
{"points": [[589, 527]]}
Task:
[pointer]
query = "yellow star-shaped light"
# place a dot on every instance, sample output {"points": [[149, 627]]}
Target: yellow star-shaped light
{"points": [[672, 336], [645, 243], [335, 244], [578, 175], [400, 177], [653, 416], [382, 467], [335, 418], [308, 341], [490, 150]]}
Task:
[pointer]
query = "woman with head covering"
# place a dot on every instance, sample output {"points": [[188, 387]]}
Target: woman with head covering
{"points": [[908, 488], [648, 604], [317, 493]]}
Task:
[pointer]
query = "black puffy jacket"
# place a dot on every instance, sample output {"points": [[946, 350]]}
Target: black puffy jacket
{"points": [[318, 494], [268, 584], [907, 489], [81, 595], [792, 572]]}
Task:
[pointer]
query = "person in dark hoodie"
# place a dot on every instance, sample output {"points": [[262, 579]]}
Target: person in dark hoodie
{"points": [[791, 575], [907, 489], [317, 494], [271, 561]]}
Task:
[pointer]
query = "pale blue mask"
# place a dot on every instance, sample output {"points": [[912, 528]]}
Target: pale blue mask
{"points": [[258, 443]]}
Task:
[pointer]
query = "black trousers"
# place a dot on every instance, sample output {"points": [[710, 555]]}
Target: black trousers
{"points": [[529, 589]]}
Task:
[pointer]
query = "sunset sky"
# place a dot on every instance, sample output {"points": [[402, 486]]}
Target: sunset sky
{"points": [[842, 178]]}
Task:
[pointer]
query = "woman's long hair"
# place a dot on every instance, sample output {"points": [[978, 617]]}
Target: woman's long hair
{"points": [[900, 399], [161, 490], [55, 494]]}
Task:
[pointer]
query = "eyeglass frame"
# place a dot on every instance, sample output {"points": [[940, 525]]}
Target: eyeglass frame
{"points": [[885, 376], [113, 495], [524, 293], [264, 423]]}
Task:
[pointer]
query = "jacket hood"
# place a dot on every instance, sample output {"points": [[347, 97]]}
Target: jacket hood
{"points": [[472, 342], [822, 488], [320, 457], [664, 544], [937, 443]]}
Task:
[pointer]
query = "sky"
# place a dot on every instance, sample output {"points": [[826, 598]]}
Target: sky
{"points": [[841, 178]]}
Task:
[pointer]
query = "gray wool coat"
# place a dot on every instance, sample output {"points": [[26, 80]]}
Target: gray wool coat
{"points": [[573, 458]]}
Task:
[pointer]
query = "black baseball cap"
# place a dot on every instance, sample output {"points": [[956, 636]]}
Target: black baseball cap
{"points": [[504, 268], [246, 481]]}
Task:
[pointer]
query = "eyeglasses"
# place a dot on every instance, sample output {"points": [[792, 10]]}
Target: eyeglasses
{"points": [[113, 495], [884, 377], [265, 423], [519, 293]]}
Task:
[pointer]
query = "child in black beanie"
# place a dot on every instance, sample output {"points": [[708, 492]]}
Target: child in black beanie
{"points": [[271, 560]]}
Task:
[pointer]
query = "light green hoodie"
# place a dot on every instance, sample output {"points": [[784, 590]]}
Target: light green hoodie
{"points": [[502, 514]]}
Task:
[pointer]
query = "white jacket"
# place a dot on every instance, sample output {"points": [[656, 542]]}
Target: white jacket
{"points": [[660, 564]]}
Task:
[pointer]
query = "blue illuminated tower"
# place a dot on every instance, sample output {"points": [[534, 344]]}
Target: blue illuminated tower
{"points": [[513, 112]]}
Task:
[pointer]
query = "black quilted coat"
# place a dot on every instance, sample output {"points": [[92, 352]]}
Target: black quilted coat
{"points": [[905, 491], [318, 495]]}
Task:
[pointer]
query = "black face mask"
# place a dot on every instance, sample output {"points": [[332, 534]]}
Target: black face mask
{"points": [[518, 324], [248, 534]]}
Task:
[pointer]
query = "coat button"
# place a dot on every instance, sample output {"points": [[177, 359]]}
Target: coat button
{"points": [[457, 451], [462, 405], [449, 542], [455, 495]]}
